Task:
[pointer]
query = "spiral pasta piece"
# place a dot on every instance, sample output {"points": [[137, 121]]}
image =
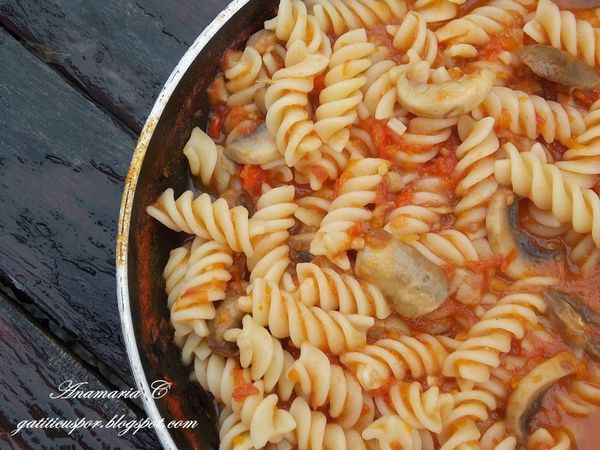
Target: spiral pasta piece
{"points": [[288, 317], [175, 270], [325, 384], [356, 190], [435, 10], [531, 115], [429, 200], [312, 209], [460, 427], [447, 246], [581, 397], [493, 335], [242, 75], [425, 132], [542, 438], [562, 30], [496, 438], [377, 363], [332, 290], [583, 252], [412, 34], [201, 217], [223, 378], [423, 410], [286, 99], [584, 157], [262, 354], [233, 434], [391, 432], [313, 432], [550, 190], [294, 23], [339, 16], [544, 224], [477, 27], [342, 93], [207, 162], [275, 210], [477, 154], [196, 277], [380, 95]]}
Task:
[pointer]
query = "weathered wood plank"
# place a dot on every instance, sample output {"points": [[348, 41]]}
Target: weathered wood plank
{"points": [[62, 162], [120, 52], [33, 366]]}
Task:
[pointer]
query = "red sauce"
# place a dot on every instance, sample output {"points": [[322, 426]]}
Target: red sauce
{"points": [[404, 197], [318, 86], [253, 178], [245, 390]]}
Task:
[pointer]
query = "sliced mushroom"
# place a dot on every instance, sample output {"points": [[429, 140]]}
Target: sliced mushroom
{"points": [[390, 327], [412, 285], [558, 66], [526, 398], [577, 323], [239, 197], [300, 247], [506, 237], [263, 41], [257, 147], [228, 316], [447, 99]]}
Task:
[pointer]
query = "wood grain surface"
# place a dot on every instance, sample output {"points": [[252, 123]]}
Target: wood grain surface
{"points": [[33, 366], [120, 52], [77, 82]]}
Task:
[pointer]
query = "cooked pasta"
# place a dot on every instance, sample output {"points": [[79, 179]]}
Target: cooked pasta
{"points": [[206, 219], [483, 22], [493, 335], [339, 16], [476, 154], [275, 210], [412, 34], [355, 191], [287, 316], [391, 432], [393, 236], [207, 162], [332, 290], [531, 115], [326, 384], [549, 189], [418, 356], [342, 92], [562, 29], [423, 410]]}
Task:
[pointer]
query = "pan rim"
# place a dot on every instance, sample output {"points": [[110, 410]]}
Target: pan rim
{"points": [[123, 228]]}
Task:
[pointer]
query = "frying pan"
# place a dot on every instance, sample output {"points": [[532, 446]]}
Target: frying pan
{"points": [[143, 245]]}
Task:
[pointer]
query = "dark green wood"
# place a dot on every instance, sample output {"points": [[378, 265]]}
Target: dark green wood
{"points": [[120, 52], [62, 163], [33, 366]]}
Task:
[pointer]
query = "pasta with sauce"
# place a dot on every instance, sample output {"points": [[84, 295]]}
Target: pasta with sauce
{"points": [[397, 240]]}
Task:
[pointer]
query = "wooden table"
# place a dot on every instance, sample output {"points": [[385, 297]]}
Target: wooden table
{"points": [[77, 80]]}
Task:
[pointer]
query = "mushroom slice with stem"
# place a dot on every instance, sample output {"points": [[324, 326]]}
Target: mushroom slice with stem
{"points": [[506, 237], [257, 147], [526, 398], [447, 99], [558, 66], [412, 285], [577, 323]]}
